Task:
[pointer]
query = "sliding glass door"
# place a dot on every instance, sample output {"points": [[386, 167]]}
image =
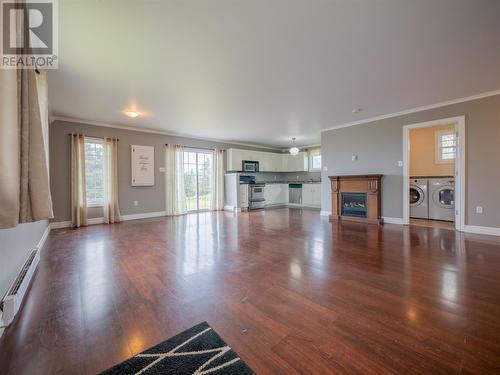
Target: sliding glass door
{"points": [[198, 177]]}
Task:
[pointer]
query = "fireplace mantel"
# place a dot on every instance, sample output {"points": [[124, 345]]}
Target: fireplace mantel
{"points": [[369, 184]]}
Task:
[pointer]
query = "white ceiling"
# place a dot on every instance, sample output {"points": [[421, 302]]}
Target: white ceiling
{"points": [[263, 71]]}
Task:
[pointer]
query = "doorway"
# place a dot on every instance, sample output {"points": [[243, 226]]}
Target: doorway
{"points": [[434, 180], [198, 179]]}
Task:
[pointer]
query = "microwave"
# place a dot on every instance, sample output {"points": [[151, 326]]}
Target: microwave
{"points": [[250, 166]]}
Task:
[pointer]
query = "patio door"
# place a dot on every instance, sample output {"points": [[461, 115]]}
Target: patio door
{"points": [[198, 179]]}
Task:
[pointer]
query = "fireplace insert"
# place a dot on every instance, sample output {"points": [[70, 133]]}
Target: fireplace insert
{"points": [[354, 204]]}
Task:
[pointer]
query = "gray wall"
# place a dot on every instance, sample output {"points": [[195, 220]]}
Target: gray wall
{"points": [[379, 145], [15, 245], [150, 198]]}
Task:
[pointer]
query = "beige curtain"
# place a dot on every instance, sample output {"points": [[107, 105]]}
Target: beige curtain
{"points": [[175, 195], [111, 207], [78, 181], [218, 180], [24, 175]]}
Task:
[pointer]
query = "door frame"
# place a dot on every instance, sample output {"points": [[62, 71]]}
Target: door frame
{"points": [[459, 124]]}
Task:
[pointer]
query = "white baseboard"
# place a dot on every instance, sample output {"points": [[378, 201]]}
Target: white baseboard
{"points": [[297, 205], [44, 238], [145, 215], [60, 224], [492, 231], [393, 220], [100, 220], [325, 213]]}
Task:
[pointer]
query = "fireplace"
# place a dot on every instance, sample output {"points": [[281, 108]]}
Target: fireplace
{"points": [[356, 198], [353, 204]]}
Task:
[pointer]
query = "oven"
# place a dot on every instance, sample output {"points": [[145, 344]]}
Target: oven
{"points": [[257, 199], [250, 166]]}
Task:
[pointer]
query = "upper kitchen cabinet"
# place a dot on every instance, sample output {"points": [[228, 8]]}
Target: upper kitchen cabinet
{"points": [[295, 163], [268, 161]]}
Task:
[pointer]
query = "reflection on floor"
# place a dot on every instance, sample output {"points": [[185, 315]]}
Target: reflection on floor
{"points": [[290, 292], [433, 223]]}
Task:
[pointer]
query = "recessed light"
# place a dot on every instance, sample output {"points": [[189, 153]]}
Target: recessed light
{"points": [[357, 110], [132, 114]]}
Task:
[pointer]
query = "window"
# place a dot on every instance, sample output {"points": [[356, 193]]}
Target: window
{"points": [[94, 172], [198, 173], [315, 159], [446, 146]]}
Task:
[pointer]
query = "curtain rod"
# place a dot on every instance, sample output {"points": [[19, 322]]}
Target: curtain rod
{"points": [[199, 148], [91, 136]]}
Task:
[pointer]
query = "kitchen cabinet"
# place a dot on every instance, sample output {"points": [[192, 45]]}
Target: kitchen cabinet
{"points": [[311, 194], [268, 161], [244, 196], [295, 163], [276, 194]]}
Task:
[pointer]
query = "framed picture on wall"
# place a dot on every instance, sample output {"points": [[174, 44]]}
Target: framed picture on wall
{"points": [[143, 165]]}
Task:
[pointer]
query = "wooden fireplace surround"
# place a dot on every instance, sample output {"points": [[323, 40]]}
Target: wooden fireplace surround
{"points": [[369, 184]]}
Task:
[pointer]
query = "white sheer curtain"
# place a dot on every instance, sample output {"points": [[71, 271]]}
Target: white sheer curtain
{"points": [[218, 181], [111, 207], [175, 197], [78, 181]]}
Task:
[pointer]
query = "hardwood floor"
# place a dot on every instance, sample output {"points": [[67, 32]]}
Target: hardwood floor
{"points": [[289, 291], [433, 223]]}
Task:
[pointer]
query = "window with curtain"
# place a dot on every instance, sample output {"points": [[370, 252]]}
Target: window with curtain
{"points": [[198, 179], [94, 171], [315, 159]]}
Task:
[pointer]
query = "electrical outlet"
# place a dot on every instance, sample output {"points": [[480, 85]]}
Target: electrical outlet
{"points": [[325, 169], [136, 203], [479, 209], [400, 163], [354, 157]]}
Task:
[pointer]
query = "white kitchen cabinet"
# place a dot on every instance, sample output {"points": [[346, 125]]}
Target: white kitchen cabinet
{"points": [[243, 203], [311, 194], [276, 194], [316, 194], [295, 163], [268, 161]]}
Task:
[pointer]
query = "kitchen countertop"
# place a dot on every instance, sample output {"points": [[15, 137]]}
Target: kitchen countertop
{"points": [[289, 182]]}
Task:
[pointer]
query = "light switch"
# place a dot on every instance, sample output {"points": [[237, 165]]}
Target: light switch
{"points": [[325, 169], [136, 203], [400, 163]]}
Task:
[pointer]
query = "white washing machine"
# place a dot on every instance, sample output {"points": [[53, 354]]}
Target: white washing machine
{"points": [[442, 198], [419, 201]]}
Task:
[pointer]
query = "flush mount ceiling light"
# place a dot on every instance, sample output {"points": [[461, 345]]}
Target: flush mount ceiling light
{"points": [[131, 114], [294, 149]]}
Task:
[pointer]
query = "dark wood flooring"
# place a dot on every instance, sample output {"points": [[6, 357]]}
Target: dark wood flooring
{"points": [[289, 291]]}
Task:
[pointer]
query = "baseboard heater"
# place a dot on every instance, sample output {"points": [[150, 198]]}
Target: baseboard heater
{"points": [[13, 299]]}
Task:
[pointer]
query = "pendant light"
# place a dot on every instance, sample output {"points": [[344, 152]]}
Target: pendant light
{"points": [[294, 149]]}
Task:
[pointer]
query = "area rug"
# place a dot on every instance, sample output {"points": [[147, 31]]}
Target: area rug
{"points": [[198, 350]]}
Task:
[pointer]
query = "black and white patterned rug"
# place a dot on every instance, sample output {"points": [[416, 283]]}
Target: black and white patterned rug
{"points": [[198, 350]]}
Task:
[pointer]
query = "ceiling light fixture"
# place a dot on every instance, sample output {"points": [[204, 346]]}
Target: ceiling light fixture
{"points": [[131, 114], [294, 150]]}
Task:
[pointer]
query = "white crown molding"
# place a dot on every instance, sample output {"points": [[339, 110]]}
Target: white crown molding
{"points": [[491, 231], [414, 110], [152, 131]]}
